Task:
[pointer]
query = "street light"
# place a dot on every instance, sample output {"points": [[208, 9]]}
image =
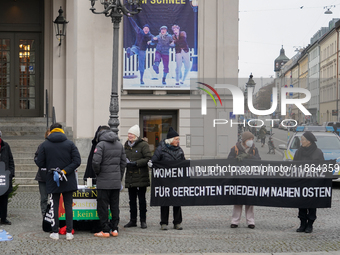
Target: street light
{"points": [[250, 84], [328, 9], [60, 27], [115, 10], [194, 5]]}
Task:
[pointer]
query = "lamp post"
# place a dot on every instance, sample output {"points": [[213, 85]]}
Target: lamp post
{"points": [[194, 5], [250, 84], [115, 9], [60, 27]]}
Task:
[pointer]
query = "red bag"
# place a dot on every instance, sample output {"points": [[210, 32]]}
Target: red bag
{"points": [[62, 231]]}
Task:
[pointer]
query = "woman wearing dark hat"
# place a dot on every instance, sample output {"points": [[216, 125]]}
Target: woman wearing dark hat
{"points": [[244, 150], [169, 150], [137, 175], [307, 151]]}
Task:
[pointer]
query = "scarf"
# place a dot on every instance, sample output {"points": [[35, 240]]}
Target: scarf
{"points": [[131, 144], [163, 37], [171, 147], [306, 152], [57, 130]]}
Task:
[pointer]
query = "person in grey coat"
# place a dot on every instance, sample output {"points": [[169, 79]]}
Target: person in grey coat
{"points": [[109, 162]]}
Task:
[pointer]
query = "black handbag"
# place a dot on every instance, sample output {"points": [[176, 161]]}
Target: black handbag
{"points": [[48, 219]]}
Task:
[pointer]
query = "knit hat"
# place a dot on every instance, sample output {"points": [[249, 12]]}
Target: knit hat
{"points": [[134, 130], [247, 135], [146, 25], [171, 133], [309, 136], [164, 27]]}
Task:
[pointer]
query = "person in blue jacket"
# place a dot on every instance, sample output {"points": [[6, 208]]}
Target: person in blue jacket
{"points": [[140, 46], [163, 41]]}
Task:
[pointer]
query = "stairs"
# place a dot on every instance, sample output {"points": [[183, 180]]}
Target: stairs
{"points": [[24, 135]]}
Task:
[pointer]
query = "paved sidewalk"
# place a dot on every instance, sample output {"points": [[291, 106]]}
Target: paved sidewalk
{"points": [[206, 230]]}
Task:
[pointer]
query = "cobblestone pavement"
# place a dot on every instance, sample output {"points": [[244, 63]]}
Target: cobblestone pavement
{"points": [[206, 230]]}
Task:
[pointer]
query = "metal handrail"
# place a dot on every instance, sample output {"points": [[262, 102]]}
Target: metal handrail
{"points": [[46, 94], [53, 116]]}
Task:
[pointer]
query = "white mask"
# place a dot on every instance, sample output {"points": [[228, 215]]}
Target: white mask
{"points": [[249, 143]]}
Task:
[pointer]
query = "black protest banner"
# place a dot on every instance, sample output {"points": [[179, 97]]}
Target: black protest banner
{"points": [[298, 184], [4, 178]]}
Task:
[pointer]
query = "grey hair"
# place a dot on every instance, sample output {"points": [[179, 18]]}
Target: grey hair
{"points": [[169, 141]]}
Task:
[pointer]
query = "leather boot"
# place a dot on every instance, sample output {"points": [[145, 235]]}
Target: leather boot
{"points": [[143, 224], [303, 226], [309, 228], [131, 223]]}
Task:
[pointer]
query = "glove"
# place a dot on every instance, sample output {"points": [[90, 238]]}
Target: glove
{"points": [[149, 163], [242, 156], [132, 163]]}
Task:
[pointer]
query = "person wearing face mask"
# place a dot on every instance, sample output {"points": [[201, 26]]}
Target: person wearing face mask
{"points": [[244, 150], [307, 151]]}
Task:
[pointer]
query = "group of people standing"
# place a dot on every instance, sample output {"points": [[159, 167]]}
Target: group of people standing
{"points": [[246, 150], [163, 42], [58, 156]]}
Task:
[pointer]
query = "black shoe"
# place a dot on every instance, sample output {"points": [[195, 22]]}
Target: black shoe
{"points": [[143, 224], [6, 222], [309, 229], [233, 226], [131, 223], [303, 226], [252, 226]]}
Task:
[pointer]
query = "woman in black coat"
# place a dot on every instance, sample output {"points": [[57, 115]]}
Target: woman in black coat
{"points": [[307, 151], [169, 150], [7, 157]]}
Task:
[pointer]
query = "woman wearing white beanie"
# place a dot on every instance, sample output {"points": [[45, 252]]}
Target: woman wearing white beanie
{"points": [[137, 175]]}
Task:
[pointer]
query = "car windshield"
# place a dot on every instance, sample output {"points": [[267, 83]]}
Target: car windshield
{"points": [[323, 143]]}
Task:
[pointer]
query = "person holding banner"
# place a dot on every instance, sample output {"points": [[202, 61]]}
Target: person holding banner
{"points": [[137, 175], [307, 151], [182, 53], [169, 150], [163, 41], [6, 157], [140, 46], [244, 150]]}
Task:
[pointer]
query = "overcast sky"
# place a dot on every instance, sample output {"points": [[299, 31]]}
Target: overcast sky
{"points": [[265, 25]]}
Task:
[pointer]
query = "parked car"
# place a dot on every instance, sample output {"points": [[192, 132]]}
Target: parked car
{"points": [[327, 141]]}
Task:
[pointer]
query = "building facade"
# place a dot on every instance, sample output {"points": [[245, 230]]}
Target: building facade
{"points": [[76, 75]]}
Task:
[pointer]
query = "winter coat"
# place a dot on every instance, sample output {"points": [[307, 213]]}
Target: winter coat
{"points": [[163, 43], [311, 153], [142, 38], [253, 152], [137, 176], [181, 42], [41, 174], [58, 151], [263, 132], [109, 161], [7, 157], [165, 152]]}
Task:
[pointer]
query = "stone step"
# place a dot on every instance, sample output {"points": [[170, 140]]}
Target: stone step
{"points": [[24, 144], [26, 161], [26, 154], [25, 120], [33, 167], [32, 174], [28, 188]]}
